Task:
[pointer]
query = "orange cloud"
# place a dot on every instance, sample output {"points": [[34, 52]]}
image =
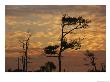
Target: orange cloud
{"points": [[46, 27]]}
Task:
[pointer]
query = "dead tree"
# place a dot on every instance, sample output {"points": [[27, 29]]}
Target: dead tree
{"points": [[92, 60], [77, 23], [18, 61], [25, 47], [23, 63]]}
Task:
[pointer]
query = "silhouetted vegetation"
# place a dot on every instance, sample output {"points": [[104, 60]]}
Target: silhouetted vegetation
{"points": [[57, 49], [77, 23], [48, 67], [103, 67], [24, 59], [51, 49], [25, 45], [91, 59]]}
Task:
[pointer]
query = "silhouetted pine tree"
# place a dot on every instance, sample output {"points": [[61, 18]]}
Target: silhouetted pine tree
{"points": [[77, 23]]}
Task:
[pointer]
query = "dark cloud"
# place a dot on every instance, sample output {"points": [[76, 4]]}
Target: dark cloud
{"points": [[19, 10]]}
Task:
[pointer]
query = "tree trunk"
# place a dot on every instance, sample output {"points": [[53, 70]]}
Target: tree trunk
{"points": [[23, 63], [59, 59], [18, 63], [59, 56], [26, 55], [95, 68]]}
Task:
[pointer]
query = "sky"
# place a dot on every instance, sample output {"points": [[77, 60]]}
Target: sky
{"points": [[44, 23]]}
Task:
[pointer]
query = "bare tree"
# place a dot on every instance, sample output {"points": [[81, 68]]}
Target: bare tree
{"points": [[25, 47], [76, 23], [91, 60]]}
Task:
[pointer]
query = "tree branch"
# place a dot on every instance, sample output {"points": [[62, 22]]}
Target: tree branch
{"points": [[70, 31]]}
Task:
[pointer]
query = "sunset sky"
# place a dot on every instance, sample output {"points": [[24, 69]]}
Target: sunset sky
{"points": [[44, 22]]}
